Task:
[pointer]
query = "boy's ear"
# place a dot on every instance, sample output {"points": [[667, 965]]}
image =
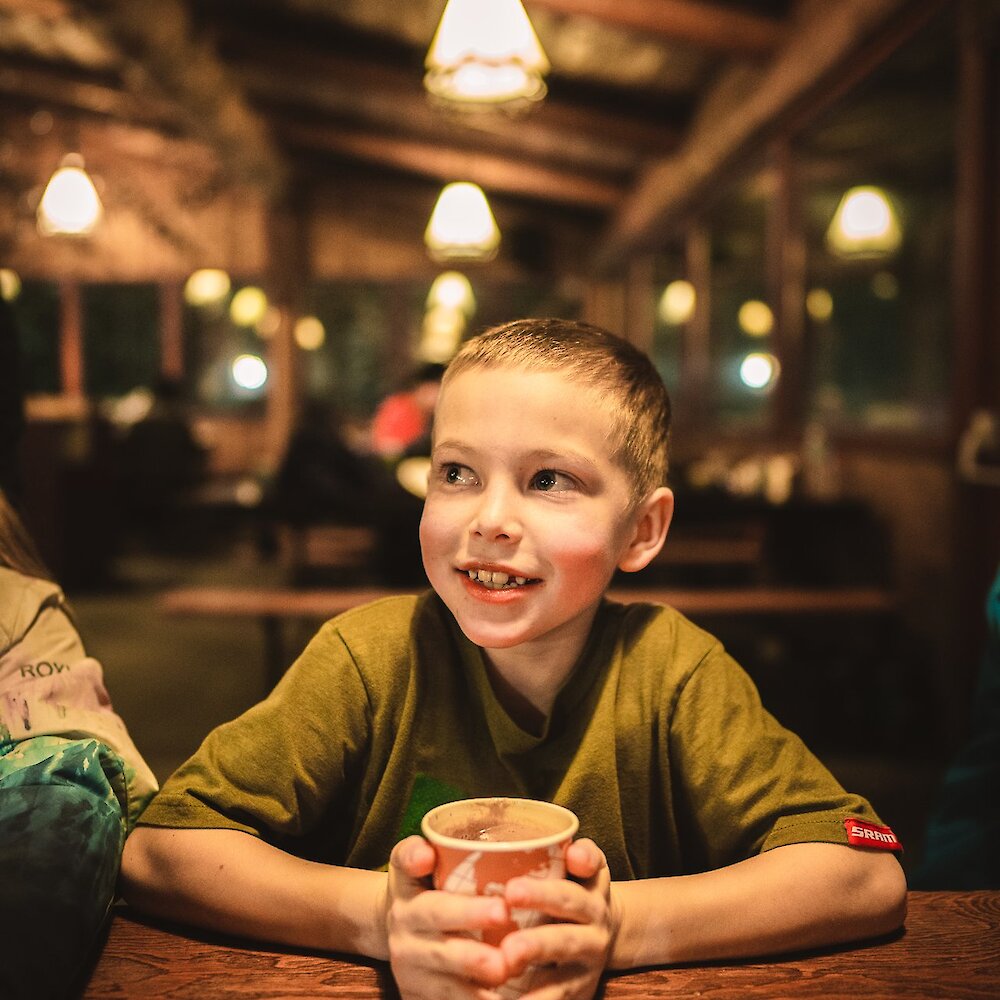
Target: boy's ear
{"points": [[651, 525]]}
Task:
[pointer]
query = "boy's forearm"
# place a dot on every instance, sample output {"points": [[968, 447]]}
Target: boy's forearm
{"points": [[232, 882], [790, 898]]}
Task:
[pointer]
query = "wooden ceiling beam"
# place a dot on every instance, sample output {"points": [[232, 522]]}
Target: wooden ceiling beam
{"points": [[496, 174], [740, 109], [164, 54], [706, 25], [75, 90], [368, 86]]}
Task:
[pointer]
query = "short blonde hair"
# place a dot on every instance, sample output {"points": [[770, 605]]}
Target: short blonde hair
{"points": [[639, 429]]}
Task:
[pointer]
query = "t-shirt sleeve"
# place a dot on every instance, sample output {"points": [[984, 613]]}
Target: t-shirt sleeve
{"points": [[745, 783], [278, 768]]}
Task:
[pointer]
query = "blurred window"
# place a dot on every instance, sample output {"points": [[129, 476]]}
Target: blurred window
{"points": [[36, 310], [741, 316], [878, 319], [120, 337]]}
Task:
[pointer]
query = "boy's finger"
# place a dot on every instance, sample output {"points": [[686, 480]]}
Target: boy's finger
{"points": [[411, 861], [458, 963], [555, 944], [449, 912], [584, 859], [556, 897]]}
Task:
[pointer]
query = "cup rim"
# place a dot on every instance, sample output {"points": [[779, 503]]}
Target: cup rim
{"points": [[501, 846]]}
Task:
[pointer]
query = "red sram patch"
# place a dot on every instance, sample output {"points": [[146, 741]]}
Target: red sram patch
{"points": [[862, 834]]}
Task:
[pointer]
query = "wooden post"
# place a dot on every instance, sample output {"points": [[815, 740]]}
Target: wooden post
{"points": [[604, 304], [71, 365], [640, 303], [288, 276], [786, 279], [171, 330], [696, 359]]}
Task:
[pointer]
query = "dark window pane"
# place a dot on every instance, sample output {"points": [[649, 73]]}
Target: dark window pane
{"points": [[36, 311], [121, 338]]}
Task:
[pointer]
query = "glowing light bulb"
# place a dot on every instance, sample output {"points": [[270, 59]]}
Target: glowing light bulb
{"points": [[865, 224], [309, 333], [486, 54], [248, 307], [462, 226], [206, 287], [759, 370], [819, 304], [677, 303], [10, 284], [453, 291], [70, 204], [249, 371], [755, 318]]}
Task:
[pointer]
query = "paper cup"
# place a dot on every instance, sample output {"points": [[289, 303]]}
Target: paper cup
{"points": [[481, 844]]}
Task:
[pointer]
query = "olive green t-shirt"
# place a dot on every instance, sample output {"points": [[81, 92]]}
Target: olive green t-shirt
{"points": [[657, 741]]}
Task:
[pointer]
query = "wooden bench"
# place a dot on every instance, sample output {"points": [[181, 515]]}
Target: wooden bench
{"points": [[275, 605]]}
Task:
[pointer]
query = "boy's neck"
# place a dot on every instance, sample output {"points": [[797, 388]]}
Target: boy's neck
{"points": [[527, 678]]}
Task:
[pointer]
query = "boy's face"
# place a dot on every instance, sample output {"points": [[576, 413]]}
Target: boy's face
{"points": [[523, 487]]}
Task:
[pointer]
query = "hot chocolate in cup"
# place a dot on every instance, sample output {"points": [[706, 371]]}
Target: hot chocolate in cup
{"points": [[481, 844]]}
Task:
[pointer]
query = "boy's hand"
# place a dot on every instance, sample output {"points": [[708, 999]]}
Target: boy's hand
{"points": [[431, 951], [572, 952]]}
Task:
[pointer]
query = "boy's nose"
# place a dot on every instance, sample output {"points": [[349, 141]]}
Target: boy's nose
{"points": [[496, 517]]}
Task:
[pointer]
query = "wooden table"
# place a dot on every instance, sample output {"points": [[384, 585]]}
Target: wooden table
{"points": [[949, 949], [273, 606]]}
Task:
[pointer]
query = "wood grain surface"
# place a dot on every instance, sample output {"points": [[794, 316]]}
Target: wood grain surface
{"points": [[950, 949]]}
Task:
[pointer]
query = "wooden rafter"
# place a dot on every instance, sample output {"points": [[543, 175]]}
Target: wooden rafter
{"points": [[508, 175], [164, 54], [390, 94], [707, 25]]}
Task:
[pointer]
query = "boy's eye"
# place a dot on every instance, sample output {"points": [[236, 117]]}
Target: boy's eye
{"points": [[550, 481], [457, 475]]}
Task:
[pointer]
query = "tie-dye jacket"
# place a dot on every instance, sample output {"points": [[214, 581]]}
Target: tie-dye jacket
{"points": [[52, 693]]}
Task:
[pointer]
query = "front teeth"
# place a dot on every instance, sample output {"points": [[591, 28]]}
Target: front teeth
{"points": [[495, 580]]}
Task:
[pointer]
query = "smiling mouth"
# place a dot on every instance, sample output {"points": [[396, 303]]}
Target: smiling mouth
{"points": [[497, 580]]}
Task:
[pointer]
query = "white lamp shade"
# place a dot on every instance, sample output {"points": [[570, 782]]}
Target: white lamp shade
{"points": [[70, 203], [452, 290], [865, 224], [486, 52], [462, 226]]}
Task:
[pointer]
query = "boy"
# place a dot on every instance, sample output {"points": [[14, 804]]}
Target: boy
{"points": [[514, 676]]}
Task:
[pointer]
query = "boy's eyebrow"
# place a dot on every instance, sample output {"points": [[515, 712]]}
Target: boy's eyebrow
{"points": [[575, 457], [540, 456], [452, 443]]}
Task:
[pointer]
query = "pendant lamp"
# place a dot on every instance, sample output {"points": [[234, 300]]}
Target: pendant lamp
{"points": [[864, 225], [485, 53], [462, 227], [70, 204]]}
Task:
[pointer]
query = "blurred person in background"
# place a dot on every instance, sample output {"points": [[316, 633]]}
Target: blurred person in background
{"points": [[322, 480], [963, 835], [72, 783], [161, 465], [402, 423]]}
